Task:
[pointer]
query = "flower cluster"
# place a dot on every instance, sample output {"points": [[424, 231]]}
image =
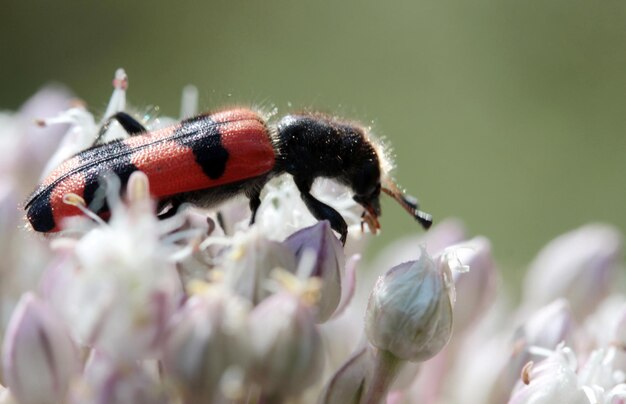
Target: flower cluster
{"points": [[200, 307]]}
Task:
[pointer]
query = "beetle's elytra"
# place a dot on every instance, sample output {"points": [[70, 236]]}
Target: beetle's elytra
{"points": [[212, 157]]}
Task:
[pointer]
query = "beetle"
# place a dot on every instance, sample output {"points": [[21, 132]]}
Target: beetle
{"points": [[213, 157]]}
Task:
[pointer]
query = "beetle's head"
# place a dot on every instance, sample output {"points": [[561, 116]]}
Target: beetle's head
{"points": [[370, 177], [366, 186]]}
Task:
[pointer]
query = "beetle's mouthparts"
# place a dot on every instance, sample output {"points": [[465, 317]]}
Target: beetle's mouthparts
{"points": [[409, 204]]}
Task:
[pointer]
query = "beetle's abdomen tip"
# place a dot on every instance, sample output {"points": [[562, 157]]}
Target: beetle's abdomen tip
{"points": [[39, 214]]}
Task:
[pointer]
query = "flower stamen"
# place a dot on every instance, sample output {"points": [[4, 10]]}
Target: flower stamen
{"points": [[77, 201]]}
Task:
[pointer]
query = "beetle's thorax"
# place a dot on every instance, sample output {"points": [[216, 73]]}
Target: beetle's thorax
{"points": [[311, 146]]}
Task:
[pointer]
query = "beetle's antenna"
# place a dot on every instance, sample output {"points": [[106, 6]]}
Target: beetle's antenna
{"points": [[409, 204]]}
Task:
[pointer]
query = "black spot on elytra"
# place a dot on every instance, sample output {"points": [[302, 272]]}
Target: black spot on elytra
{"points": [[201, 134], [120, 166], [39, 212]]}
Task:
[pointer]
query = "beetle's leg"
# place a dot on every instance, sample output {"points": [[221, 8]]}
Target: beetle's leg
{"points": [[130, 125], [321, 211], [171, 211], [255, 202]]}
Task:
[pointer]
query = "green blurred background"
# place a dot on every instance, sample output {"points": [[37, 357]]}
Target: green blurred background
{"points": [[510, 115]]}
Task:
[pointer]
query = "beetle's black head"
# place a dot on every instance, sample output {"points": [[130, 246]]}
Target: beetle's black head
{"points": [[315, 145], [370, 176], [365, 181]]}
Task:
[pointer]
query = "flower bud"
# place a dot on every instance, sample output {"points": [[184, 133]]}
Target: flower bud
{"points": [[409, 312], [106, 381], [579, 266], [442, 235], [38, 356], [328, 266], [286, 354], [203, 342]]}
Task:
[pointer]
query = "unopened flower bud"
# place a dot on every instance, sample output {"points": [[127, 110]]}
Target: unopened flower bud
{"points": [[409, 312], [442, 235], [328, 266], [579, 266], [286, 354], [38, 356], [106, 381], [203, 342]]}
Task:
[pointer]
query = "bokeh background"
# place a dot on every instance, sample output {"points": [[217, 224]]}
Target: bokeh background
{"points": [[509, 115]]}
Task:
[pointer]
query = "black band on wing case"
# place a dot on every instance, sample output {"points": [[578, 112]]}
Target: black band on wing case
{"points": [[39, 212], [202, 136], [121, 166]]}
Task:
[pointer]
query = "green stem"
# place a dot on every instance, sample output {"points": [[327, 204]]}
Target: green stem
{"points": [[386, 368]]}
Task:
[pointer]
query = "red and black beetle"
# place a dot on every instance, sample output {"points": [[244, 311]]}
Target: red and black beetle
{"points": [[213, 157]]}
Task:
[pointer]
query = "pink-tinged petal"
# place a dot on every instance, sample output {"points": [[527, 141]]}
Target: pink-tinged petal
{"points": [[365, 378], [580, 266], [106, 381], [546, 328], [56, 280], [346, 385], [6, 397], [348, 286], [553, 380], [39, 143], [79, 136], [124, 286], [9, 214], [203, 341], [251, 260], [286, 354], [39, 358], [328, 266], [476, 289]]}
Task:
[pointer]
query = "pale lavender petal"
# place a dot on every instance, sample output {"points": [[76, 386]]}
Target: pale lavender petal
{"points": [[476, 289], [553, 380], [580, 266], [346, 385], [105, 381], [37, 142], [285, 345], [348, 286], [203, 341], [329, 263], [251, 260], [39, 358]]}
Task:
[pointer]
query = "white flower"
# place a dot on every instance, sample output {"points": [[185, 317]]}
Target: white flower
{"points": [[125, 286], [558, 379]]}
